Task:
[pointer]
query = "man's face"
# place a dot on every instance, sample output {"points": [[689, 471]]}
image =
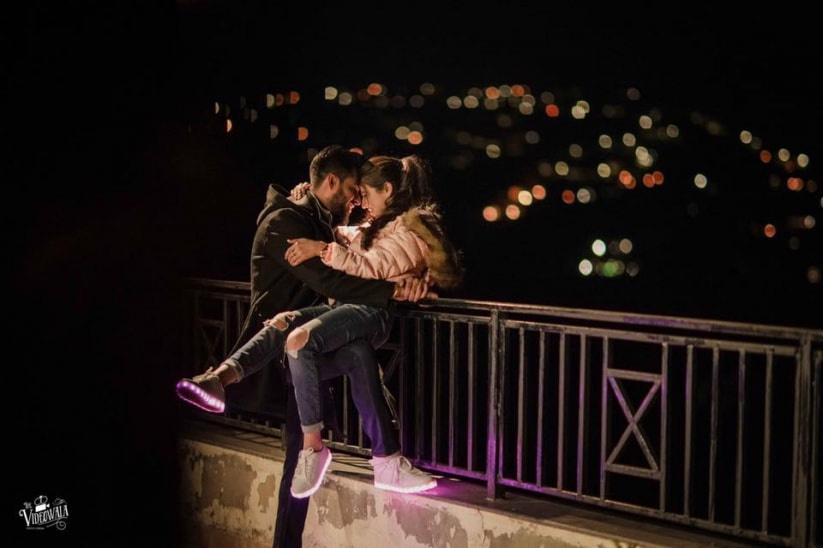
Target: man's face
{"points": [[345, 195]]}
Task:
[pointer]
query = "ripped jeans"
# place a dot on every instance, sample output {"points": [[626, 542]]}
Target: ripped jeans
{"points": [[329, 327]]}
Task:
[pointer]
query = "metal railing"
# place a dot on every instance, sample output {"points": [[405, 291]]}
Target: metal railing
{"points": [[710, 424]]}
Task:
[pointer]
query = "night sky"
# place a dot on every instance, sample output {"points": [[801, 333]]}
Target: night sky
{"points": [[124, 182]]}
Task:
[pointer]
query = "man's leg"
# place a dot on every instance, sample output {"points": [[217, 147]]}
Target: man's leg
{"points": [[206, 390], [291, 512]]}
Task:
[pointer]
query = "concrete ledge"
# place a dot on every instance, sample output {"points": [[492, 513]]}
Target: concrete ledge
{"points": [[230, 480]]}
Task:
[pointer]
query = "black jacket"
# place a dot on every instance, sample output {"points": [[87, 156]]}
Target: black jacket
{"points": [[277, 286]]}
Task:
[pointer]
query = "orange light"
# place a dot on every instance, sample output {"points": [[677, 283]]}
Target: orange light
{"points": [[356, 150], [294, 97], [625, 177], [228, 125], [552, 111], [518, 90], [795, 183], [539, 192], [769, 230], [415, 137], [492, 92], [375, 89], [512, 193], [658, 177], [302, 133], [491, 213], [279, 99], [648, 180], [362, 95], [512, 212], [765, 156], [568, 197]]}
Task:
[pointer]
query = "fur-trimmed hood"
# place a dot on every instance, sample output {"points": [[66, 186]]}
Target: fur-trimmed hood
{"points": [[443, 261]]}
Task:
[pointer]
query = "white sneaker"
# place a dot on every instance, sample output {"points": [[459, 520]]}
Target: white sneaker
{"points": [[309, 472], [396, 473]]}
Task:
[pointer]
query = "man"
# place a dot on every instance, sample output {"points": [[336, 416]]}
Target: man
{"points": [[277, 286]]}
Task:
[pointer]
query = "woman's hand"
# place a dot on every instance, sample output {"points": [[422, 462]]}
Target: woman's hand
{"points": [[299, 190], [303, 249]]}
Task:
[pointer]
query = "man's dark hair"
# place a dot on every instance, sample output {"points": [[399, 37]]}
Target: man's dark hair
{"points": [[334, 159]]}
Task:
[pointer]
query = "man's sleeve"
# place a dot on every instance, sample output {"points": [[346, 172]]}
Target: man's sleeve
{"points": [[287, 224]]}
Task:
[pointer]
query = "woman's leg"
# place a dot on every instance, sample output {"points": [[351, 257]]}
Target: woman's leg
{"points": [[325, 333]]}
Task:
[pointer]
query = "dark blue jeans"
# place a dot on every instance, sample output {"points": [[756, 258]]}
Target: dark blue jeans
{"points": [[329, 328], [349, 351]]}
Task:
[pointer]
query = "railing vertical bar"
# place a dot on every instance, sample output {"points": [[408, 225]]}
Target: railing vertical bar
{"points": [[581, 423], [687, 470], [492, 422], [521, 400], [470, 390], [664, 423], [435, 389], [741, 409], [541, 377], [802, 446], [713, 432], [604, 419], [419, 406], [452, 401], [561, 405], [767, 443]]}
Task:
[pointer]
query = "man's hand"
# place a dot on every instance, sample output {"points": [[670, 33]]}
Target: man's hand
{"points": [[303, 249], [413, 290]]}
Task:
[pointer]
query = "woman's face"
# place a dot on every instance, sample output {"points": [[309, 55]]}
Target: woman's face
{"points": [[374, 199]]}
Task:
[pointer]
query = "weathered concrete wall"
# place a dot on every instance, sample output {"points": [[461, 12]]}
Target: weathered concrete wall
{"points": [[230, 498]]}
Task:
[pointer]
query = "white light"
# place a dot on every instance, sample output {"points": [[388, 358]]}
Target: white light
{"points": [[525, 197], [605, 141], [700, 180], [493, 151], [330, 93], [578, 113], [672, 131], [454, 102], [802, 160], [784, 155], [584, 196], [345, 98], [629, 139], [599, 247], [645, 122], [604, 170], [561, 168], [471, 102], [585, 267], [745, 137], [402, 133]]}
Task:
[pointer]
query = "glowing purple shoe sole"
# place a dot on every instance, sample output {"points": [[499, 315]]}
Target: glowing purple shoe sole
{"points": [[204, 391]]}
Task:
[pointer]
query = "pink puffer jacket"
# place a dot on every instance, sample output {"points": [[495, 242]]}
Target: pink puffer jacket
{"points": [[396, 252]]}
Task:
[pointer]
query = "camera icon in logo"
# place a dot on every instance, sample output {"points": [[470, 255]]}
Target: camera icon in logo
{"points": [[41, 503]]}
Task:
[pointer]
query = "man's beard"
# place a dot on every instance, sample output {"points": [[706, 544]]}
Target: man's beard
{"points": [[338, 208]]}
